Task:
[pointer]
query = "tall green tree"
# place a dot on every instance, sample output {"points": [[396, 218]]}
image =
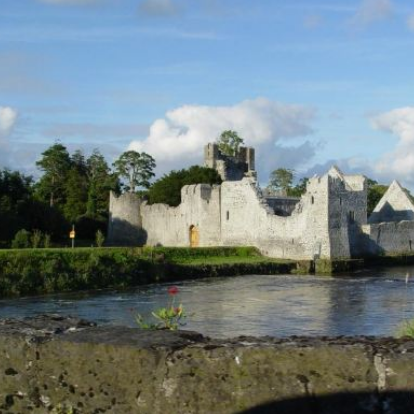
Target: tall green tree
{"points": [[136, 168], [15, 199], [229, 142], [76, 195], [281, 179], [167, 189], [55, 163], [101, 182]]}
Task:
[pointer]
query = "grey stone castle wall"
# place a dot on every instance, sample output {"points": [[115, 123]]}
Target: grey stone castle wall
{"points": [[125, 224], [328, 222], [235, 214]]}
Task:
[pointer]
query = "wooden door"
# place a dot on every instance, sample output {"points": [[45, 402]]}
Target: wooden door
{"points": [[194, 236]]}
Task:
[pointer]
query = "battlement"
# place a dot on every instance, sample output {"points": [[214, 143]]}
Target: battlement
{"points": [[230, 168]]}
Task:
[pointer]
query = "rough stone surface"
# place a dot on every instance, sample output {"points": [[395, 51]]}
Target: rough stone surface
{"points": [[52, 364], [125, 226]]}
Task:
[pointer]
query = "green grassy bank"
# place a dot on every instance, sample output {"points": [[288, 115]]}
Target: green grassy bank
{"points": [[37, 271]]}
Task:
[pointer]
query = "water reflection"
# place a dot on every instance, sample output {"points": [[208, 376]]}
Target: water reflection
{"points": [[367, 303]]}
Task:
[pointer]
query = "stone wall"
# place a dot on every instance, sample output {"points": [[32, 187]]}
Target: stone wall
{"points": [[125, 225], [395, 205], [230, 168], [282, 206], [388, 238], [319, 225], [171, 226], [57, 365]]}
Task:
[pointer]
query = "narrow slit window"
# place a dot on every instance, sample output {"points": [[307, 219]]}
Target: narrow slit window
{"points": [[227, 215]]}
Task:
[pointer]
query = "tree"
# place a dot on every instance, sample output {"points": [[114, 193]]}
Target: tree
{"points": [[137, 168], [167, 189], [76, 191], [55, 163], [375, 193], [281, 179], [299, 188], [229, 142], [101, 182], [15, 198]]}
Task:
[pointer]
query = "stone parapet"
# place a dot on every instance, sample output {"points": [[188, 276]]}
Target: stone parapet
{"points": [[66, 365]]}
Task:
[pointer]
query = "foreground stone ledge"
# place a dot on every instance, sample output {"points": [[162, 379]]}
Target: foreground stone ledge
{"points": [[66, 365]]}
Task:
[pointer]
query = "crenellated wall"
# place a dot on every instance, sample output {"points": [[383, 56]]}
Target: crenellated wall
{"points": [[320, 225], [170, 226]]}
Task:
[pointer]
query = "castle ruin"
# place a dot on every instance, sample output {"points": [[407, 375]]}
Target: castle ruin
{"points": [[329, 221]]}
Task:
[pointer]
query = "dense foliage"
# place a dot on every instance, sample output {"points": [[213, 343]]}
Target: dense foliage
{"points": [[281, 182], [136, 168], [71, 190], [167, 189]]}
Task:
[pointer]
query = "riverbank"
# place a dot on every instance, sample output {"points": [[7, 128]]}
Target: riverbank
{"points": [[39, 271]]}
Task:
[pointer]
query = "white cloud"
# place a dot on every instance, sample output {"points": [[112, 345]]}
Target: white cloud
{"points": [[158, 7], [400, 162], [8, 117], [371, 11], [177, 140], [410, 22]]}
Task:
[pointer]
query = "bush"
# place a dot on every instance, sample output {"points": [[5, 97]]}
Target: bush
{"points": [[99, 238], [21, 239], [406, 329], [46, 241], [36, 238]]}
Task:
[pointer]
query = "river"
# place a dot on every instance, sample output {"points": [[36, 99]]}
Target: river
{"points": [[370, 302]]}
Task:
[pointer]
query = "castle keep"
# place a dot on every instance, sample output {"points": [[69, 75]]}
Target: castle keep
{"points": [[329, 221]]}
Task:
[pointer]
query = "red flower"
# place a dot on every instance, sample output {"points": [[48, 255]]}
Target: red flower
{"points": [[173, 290]]}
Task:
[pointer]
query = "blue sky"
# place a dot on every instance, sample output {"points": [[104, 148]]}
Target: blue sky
{"points": [[308, 83]]}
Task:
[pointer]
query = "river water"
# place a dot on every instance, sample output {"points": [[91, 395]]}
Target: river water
{"points": [[370, 302]]}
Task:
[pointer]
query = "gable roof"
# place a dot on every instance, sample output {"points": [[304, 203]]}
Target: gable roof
{"points": [[395, 205]]}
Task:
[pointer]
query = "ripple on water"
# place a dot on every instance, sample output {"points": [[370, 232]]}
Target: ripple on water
{"points": [[364, 303]]}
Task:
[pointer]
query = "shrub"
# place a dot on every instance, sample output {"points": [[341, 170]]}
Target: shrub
{"points": [[406, 329], [99, 238], [21, 239], [36, 238], [46, 241]]}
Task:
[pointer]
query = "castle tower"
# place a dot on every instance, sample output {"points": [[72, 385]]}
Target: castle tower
{"points": [[230, 168]]}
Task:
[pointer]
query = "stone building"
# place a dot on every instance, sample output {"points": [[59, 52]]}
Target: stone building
{"points": [[329, 221]]}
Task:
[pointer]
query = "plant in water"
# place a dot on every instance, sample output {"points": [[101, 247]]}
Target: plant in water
{"points": [[169, 317]]}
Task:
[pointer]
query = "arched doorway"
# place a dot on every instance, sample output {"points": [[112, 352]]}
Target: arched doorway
{"points": [[194, 236]]}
